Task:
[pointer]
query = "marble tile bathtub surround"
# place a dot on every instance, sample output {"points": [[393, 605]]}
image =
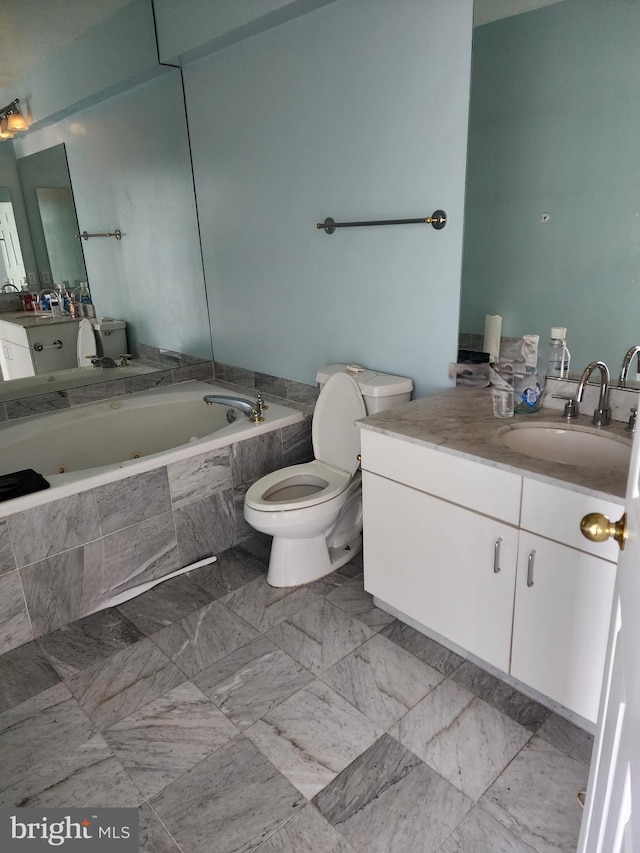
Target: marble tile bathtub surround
{"points": [[15, 627], [103, 712]]}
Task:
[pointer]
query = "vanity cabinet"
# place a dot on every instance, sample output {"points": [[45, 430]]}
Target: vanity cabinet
{"points": [[492, 562], [35, 350], [564, 592], [441, 542]]}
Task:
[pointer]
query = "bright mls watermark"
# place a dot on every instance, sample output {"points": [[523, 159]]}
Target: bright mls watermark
{"points": [[86, 830]]}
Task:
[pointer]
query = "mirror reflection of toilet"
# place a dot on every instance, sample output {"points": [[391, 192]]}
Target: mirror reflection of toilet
{"points": [[101, 336], [314, 510], [87, 346]]}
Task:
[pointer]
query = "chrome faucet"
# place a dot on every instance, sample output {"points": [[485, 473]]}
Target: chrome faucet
{"points": [[626, 364], [601, 414], [253, 411]]}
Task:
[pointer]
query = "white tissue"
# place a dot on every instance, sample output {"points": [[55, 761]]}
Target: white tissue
{"points": [[492, 332]]}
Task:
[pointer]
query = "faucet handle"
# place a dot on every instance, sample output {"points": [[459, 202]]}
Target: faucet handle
{"points": [[570, 408], [633, 417]]}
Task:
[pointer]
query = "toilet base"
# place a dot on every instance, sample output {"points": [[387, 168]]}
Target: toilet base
{"points": [[294, 562]]}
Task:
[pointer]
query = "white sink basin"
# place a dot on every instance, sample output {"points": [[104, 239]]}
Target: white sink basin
{"points": [[569, 445]]}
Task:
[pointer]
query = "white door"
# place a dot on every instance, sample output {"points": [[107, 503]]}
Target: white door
{"points": [[10, 245], [611, 824]]}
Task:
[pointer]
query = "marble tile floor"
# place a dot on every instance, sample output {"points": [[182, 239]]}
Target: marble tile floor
{"points": [[242, 718]]}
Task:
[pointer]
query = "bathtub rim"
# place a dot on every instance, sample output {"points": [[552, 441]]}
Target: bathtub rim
{"points": [[277, 416]]}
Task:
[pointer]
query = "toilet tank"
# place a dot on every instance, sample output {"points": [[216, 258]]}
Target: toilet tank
{"points": [[380, 391], [111, 336]]}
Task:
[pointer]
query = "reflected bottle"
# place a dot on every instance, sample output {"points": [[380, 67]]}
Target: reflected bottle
{"points": [[85, 301]]}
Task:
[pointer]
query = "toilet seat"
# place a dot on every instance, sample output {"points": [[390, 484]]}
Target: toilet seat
{"points": [[336, 444], [304, 485]]}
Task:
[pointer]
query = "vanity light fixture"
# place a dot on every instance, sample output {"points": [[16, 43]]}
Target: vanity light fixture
{"points": [[11, 120]]}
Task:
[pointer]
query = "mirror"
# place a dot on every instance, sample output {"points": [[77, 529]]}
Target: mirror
{"points": [[552, 222], [48, 198]]}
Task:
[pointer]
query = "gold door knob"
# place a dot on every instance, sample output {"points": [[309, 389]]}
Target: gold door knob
{"points": [[598, 528]]}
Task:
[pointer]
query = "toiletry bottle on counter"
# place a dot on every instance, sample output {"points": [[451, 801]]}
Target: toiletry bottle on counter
{"points": [[559, 356], [85, 301]]}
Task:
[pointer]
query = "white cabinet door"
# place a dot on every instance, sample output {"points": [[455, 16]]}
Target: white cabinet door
{"points": [[16, 361], [434, 562], [561, 620]]}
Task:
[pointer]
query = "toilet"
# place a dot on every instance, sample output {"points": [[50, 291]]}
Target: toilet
{"points": [[314, 510], [102, 336]]}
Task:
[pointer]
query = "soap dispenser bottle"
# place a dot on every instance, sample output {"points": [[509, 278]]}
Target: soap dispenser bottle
{"points": [[559, 356]]}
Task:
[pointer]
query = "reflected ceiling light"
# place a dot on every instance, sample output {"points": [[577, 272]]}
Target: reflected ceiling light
{"points": [[12, 120]]}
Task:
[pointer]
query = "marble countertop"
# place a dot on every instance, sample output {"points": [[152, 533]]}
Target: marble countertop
{"points": [[28, 319], [460, 421]]}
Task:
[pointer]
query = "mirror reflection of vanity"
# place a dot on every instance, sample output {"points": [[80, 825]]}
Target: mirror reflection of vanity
{"points": [[552, 225]]}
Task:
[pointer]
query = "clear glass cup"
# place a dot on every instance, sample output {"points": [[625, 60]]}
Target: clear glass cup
{"points": [[502, 402]]}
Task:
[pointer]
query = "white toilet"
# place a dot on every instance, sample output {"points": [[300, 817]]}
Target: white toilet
{"points": [[314, 510]]}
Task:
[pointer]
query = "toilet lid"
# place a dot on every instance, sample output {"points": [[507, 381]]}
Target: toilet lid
{"points": [[86, 343], [336, 438]]}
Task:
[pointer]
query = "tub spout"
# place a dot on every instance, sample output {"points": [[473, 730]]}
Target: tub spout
{"points": [[251, 410]]}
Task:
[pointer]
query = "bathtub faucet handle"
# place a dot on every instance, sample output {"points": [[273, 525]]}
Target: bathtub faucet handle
{"points": [[261, 406]]}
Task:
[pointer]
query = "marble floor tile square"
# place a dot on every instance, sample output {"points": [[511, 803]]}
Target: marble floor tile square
{"points": [[502, 696], [24, 672], [263, 606], [203, 637], [52, 756], [328, 584], [250, 681], [152, 835], [480, 833], [169, 736], [306, 832], [229, 803], [465, 740], [389, 800], [113, 689], [319, 635], [382, 680], [312, 736], [87, 641], [233, 568], [536, 797], [424, 648], [352, 598], [164, 604]]}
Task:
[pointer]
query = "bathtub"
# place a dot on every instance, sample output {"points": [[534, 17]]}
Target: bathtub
{"points": [[104, 441], [111, 526]]}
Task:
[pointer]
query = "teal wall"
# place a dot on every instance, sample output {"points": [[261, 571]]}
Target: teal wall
{"points": [[555, 127], [356, 111], [211, 25]]}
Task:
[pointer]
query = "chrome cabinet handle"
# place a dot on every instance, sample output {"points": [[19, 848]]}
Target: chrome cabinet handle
{"points": [[530, 562], [496, 555]]}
